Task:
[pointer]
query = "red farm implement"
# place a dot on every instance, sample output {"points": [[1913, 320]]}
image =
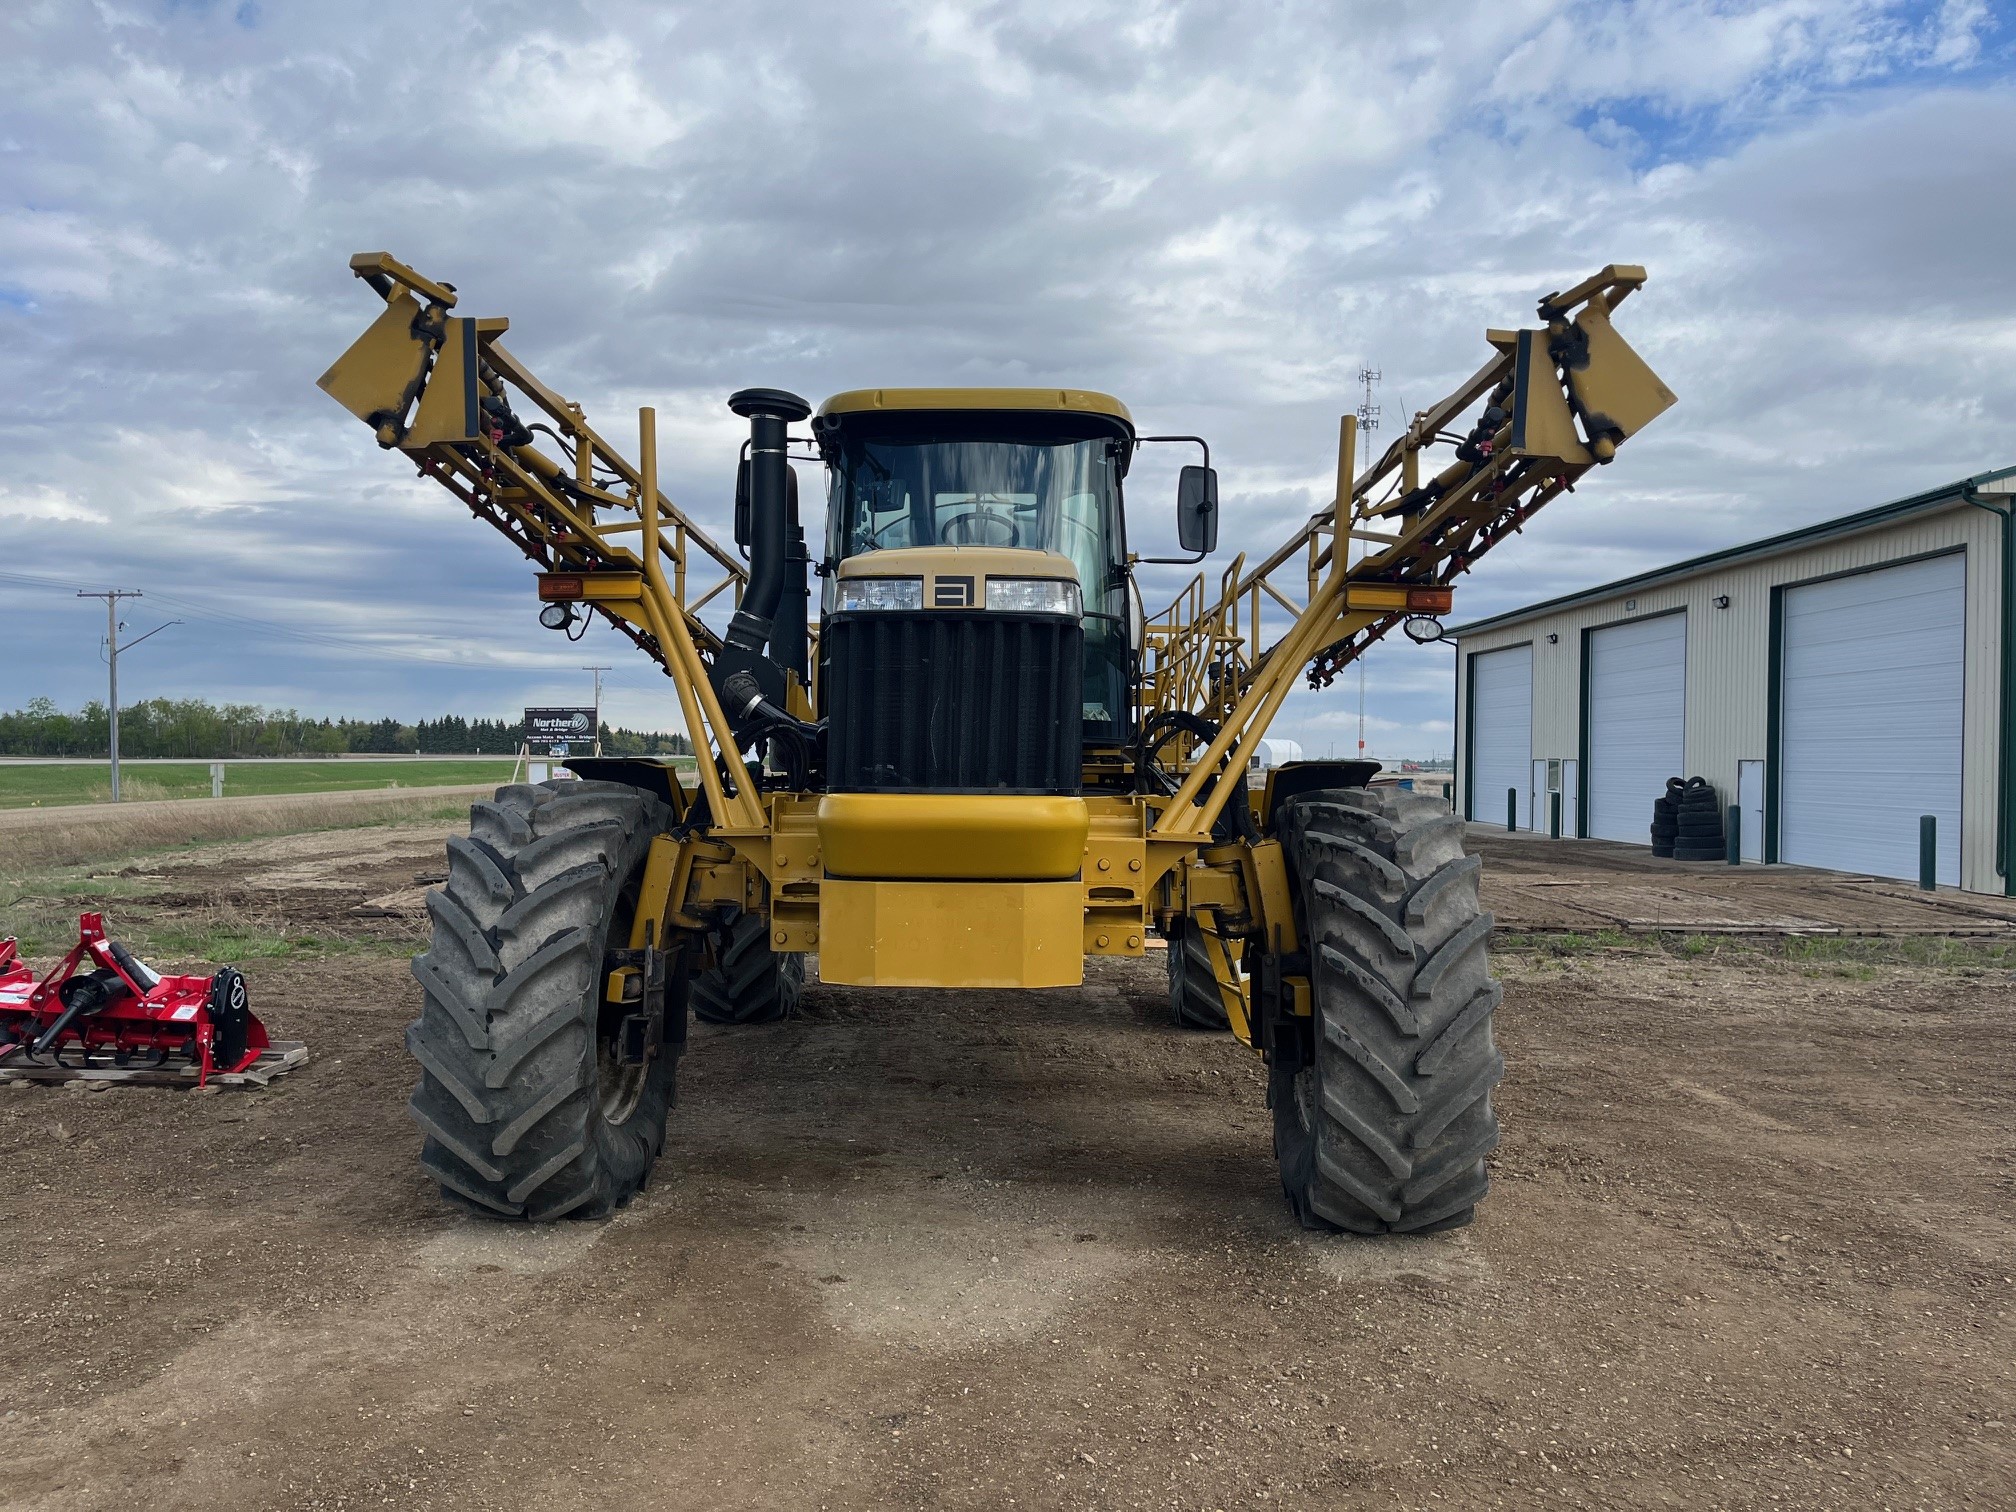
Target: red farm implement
{"points": [[104, 1015]]}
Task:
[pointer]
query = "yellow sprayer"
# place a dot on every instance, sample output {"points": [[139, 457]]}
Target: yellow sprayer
{"points": [[981, 764]]}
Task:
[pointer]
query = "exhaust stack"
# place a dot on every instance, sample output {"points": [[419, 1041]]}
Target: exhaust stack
{"points": [[768, 412]]}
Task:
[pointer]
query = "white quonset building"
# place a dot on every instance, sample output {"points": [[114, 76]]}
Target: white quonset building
{"points": [[1835, 683]]}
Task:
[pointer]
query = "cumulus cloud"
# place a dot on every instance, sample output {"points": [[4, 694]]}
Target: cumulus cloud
{"points": [[1220, 213]]}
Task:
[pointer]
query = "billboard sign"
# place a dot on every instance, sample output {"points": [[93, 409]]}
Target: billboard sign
{"points": [[559, 727]]}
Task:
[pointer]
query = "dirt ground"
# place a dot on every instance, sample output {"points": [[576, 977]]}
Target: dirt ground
{"points": [[1533, 883], [1750, 1245]]}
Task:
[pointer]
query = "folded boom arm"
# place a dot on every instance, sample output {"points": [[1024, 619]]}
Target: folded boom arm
{"points": [[1557, 401], [440, 388]]}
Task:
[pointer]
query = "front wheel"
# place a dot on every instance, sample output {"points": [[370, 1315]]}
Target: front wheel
{"points": [[749, 983], [1382, 1109], [1194, 998], [530, 1106]]}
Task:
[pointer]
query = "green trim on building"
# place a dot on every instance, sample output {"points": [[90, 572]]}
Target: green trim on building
{"points": [[2005, 756], [1457, 721], [1773, 700], [1582, 738], [1467, 777]]}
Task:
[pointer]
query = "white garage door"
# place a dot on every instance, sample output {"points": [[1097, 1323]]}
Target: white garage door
{"points": [[1874, 667], [1637, 722], [1501, 733]]}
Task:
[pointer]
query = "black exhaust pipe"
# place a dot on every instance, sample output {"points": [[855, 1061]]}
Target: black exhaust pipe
{"points": [[790, 637], [768, 412]]}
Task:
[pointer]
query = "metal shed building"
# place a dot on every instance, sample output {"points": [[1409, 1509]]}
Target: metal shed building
{"points": [[1835, 683]]}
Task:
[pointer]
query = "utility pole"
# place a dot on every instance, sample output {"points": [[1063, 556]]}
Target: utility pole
{"points": [[112, 597], [112, 650], [598, 671]]}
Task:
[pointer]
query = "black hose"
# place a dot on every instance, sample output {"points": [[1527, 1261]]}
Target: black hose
{"points": [[1235, 820], [558, 439], [1154, 730], [797, 743], [512, 432]]}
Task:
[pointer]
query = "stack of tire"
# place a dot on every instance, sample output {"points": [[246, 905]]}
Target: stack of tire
{"points": [[1687, 822], [1666, 818]]}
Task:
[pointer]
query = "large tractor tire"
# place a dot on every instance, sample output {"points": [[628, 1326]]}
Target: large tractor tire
{"points": [[1382, 1125], [1194, 1002], [528, 1110], [749, 982]]}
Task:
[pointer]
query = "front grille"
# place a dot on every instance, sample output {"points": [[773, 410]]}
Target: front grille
{"points": [[951, 702]]}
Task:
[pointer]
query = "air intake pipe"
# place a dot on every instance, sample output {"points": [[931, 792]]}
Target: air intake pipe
{"points": [[768, 412]]}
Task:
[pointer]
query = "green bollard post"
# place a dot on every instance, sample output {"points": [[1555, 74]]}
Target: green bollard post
{"points": [[1734, 830], [1928, 852], [1511, 810]]}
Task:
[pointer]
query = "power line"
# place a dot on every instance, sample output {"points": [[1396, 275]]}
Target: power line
{"points": [[634, 682], [322, 638]]}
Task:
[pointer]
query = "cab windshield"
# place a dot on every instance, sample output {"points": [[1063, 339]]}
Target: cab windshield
{"points": [[978, 480]]}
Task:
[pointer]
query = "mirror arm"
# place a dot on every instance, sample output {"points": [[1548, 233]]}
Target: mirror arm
{"points": [[1206, 445], [1177, 561]]}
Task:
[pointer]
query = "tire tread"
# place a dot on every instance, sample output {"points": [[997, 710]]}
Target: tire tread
{"points": [[1388, 1129], [749, 983], [505, 1043]]}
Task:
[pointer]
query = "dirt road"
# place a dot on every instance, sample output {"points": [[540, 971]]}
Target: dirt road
{"points": [[1750, 1245]]}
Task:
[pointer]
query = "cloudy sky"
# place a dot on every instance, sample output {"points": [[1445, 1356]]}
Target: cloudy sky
{"points": [[1220, 212]]}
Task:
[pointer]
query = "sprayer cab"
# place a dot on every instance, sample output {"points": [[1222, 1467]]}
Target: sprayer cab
{"points": [[991, 519]]}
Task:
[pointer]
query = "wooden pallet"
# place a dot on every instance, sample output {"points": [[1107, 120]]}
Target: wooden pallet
{"points": [[277, 1059]]}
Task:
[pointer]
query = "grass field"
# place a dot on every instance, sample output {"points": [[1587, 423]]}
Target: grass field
{"points": [[52, 786]]}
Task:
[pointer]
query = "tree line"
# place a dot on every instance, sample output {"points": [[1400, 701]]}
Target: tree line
{"points": [[193, 729]]}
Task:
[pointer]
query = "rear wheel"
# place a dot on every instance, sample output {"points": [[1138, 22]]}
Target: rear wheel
{"points": [[1194, 1001], [1383, 1119], [749, 982], [530, 1110]]}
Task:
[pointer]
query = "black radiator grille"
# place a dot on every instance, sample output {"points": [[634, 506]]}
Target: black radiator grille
{"points": [[951, 702]]}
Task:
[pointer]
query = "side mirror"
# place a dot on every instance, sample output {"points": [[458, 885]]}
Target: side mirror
{"points": [[1197, 510]]}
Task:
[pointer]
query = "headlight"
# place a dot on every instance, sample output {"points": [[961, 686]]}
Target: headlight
{"points": [[881, 593], [1033, 596]]}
